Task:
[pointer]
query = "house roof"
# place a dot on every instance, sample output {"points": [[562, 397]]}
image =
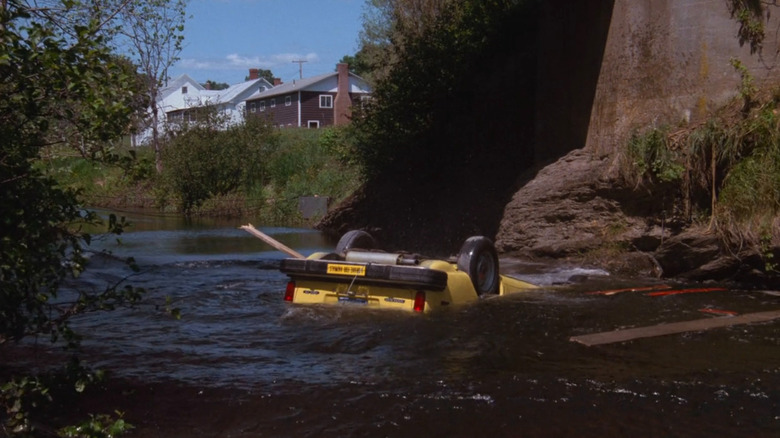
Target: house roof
{"points": [[235, 91], [199, 95], [298, 85], [178, 82]]}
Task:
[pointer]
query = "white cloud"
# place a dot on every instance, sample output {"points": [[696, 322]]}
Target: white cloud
{"points": [[195, 64], [235, 61], [285, 58]]}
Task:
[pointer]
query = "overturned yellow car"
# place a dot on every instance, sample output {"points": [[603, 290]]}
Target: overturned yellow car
{"points": [[356, 273]]}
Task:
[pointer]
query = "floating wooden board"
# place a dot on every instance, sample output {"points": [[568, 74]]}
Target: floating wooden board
{"points": [[271, 241], [672, 328]]}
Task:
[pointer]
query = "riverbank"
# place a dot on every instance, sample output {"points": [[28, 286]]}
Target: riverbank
{"points": [[287, 165], [576, 210]]}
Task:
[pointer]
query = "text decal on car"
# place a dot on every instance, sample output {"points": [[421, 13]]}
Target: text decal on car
{"points": [[347, 270]]}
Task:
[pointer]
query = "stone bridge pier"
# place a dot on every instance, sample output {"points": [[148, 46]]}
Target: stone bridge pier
{"points": [[607, 67]]}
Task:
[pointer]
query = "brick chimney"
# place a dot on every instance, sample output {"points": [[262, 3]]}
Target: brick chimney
{"points": [[342, 103], [254, 73], [277, 81]]}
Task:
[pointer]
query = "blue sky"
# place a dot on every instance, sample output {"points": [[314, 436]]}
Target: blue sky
{"points": [[223, 39]]}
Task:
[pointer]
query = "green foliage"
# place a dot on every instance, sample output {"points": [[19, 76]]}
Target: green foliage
{"points": [[732, 160], [19, 398], [749, 14], [747, 88], [339, 143], [358, 64], [203, 161], [27, 400], [263, 74], [47, 81], [652, 155], [212, 85], [431, 53], [120, 176], [770, 264], [60, 85], [751, 186], [98, 426], [738, 162], [308, 162]]}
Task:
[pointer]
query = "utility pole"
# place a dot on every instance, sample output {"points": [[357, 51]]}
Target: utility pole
{"points": [[300, 66]]}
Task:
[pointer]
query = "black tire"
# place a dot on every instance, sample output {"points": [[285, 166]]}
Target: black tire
{"points": [[355, 239], [478, 258]]}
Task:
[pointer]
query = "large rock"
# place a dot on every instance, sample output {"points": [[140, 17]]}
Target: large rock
{"points": [[576, 209], [565, 210]]}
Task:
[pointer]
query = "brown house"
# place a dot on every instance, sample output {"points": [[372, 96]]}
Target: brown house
{"points": [[322, 100]]}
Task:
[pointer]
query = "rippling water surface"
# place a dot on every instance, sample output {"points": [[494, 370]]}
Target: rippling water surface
{"points": [[501, 366]]}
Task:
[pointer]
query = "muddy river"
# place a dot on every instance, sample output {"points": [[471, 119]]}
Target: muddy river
{"points": [[241, 362]]}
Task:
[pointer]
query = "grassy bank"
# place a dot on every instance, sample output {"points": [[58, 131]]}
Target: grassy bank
{"points": [[238, 172], [722, 175]]}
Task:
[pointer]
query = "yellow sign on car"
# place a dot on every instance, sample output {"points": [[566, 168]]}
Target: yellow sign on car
{"points": [[356, 270]]}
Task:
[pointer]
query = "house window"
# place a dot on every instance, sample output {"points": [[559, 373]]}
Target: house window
{"points": [[326, 101], [288, 101], [252, 107], [262, 105], [313, 124], [273, 103], [364, 101], [183, 90]]}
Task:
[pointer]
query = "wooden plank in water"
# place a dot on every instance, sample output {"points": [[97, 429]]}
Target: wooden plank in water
{"points": [[672, 328]]}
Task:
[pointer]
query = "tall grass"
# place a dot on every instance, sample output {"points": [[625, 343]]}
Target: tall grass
{"points": [[732, 160], [120, 176], [249, 171], [307, 162]]}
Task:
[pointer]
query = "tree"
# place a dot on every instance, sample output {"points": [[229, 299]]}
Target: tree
{"points": [[358, 64], [153, 32], [212, 85], [264, 74], [414, 39], [387, 27], [208, 159], [51, 77]]}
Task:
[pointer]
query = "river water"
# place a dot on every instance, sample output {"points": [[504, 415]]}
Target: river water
{"points": [[499, 367]]}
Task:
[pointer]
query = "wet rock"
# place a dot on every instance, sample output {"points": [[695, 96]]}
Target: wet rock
{"points": [[568, 209], [577, 209], [688, 251]]}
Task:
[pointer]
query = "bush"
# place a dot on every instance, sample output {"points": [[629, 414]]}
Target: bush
{"points": [[651, 155], [203, 162], [308, 162], [255, 168], [728, 168]]}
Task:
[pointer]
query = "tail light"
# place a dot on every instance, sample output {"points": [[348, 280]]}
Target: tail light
{"points": [[289, 293], [419, 301]]}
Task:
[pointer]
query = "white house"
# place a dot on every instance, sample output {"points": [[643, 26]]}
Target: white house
{"points": [[184, 93]]}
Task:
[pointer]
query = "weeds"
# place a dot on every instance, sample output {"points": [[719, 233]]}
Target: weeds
{"points": [[246, 170], [732, 160]]}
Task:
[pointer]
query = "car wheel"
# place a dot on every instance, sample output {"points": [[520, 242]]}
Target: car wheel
{"points": [[478, 258], [355, 239]]}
